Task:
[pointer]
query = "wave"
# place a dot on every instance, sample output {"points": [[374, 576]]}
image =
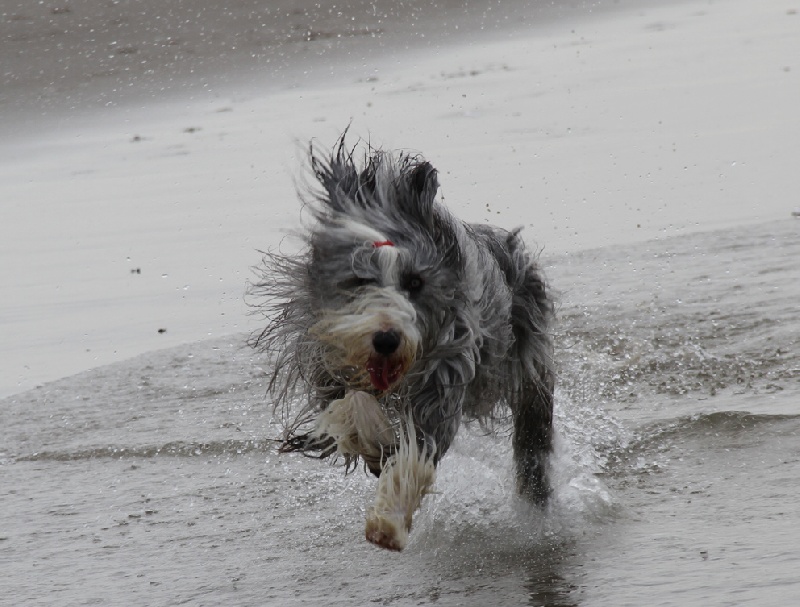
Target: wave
{"points": [[718, 422], [697, 434], [703, 314], [171, 449]]}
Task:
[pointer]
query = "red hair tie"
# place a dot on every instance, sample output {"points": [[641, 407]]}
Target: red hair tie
{"points": [[382, 243]]}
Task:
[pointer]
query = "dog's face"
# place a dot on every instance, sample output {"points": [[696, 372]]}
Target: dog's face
{"points": [[381, 300], [365, 316], [384, 290]]}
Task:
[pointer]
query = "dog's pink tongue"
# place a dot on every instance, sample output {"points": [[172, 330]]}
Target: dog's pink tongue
{"points": [[381, 373]]}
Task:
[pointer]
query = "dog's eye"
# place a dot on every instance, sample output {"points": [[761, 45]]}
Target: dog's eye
{"points": [[413, 283]]}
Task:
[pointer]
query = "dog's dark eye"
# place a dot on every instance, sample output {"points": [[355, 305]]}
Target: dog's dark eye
{"points": [[413, 283]]}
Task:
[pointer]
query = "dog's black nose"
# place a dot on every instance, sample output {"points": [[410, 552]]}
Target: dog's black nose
{"points": [[386, 342]]}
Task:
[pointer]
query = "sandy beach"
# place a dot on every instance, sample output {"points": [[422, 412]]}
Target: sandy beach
{"points": [[128, 212]]}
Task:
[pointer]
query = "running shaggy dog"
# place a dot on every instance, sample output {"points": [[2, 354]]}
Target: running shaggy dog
{"points": [[396, 322]]}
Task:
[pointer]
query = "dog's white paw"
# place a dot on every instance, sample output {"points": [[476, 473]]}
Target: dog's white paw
{"points": [[387, 532]]}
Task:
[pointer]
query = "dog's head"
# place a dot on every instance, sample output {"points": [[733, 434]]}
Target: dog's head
{"points": [[384, 269]]}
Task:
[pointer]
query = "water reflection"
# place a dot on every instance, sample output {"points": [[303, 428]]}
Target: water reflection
{"points": [[549, 589], [545, 581]]}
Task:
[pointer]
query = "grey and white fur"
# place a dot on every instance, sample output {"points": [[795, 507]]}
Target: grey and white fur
{"points": [[397, 322]]}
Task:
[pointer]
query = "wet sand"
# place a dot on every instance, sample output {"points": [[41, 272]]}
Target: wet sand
{"points": [[61, 58]]}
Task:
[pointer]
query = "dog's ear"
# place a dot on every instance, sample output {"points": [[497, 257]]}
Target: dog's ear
{"points": [[423, 185], [423, 177], [417, 190]]}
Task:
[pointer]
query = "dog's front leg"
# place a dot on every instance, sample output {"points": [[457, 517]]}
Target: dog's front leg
{"points": [[409, 474], [406, 478]]}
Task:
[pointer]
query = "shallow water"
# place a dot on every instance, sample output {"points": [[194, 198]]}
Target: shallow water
{"points": [[155, 481]]}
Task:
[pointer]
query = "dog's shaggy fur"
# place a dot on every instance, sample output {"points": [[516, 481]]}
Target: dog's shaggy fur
{"points": [[396, 322]]}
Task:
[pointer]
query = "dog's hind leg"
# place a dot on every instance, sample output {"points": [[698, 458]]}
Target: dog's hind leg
{"points": [[531, 377], [532, 439]]}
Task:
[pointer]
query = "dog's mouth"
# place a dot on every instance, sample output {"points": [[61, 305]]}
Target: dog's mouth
{"points": [[383, 371]]}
